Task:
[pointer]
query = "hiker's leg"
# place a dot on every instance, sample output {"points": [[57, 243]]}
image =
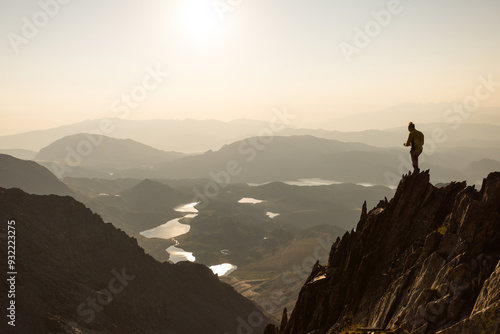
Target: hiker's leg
{"points": [[414, 159]]}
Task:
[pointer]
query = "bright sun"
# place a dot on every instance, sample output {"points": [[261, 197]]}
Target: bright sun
{"points": [[198, 21]]}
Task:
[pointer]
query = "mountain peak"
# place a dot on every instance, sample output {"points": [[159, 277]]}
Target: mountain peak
{"points": [[152, 196], [148, 187]]}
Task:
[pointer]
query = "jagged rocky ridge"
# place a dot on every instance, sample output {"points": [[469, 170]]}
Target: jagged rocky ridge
{"points": [[425, 262], [77, 274]]}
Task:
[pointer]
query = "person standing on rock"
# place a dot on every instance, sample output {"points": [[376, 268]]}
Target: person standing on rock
{"points": [[416, 141]]}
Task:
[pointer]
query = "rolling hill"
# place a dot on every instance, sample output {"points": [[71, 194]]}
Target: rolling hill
{"points": [[30, 177], [100, 155], [102, 151]]}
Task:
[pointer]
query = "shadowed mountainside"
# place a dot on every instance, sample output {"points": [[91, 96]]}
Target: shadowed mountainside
{"points": [[422, 263], [29, 176], [19, 153], [79, 274]]}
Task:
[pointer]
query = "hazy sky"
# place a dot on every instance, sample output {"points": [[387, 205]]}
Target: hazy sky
{"points": [[238, 61]]}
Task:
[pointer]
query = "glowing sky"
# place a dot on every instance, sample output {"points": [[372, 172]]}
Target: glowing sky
{"points": [[86, 55]]}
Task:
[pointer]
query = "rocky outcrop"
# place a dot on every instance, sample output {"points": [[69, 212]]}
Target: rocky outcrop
{"points": [[76, 274], [485, 317], [423, 263]]}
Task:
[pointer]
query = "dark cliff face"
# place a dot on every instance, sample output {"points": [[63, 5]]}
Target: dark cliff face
{"points": [[422, 263], [76, 274]]}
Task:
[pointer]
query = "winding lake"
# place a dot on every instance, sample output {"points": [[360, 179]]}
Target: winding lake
{"points": [[179, 254], [223, 269], [173, 228]]}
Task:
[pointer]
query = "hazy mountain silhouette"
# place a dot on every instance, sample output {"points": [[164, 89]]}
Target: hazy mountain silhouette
{"points": [[20, 154], [77, 272], [103, 152], [451, 135], [477, 169], [284, 158], [291, 158], [201, 135], [169, 135], [263, 160], [30, 177]]}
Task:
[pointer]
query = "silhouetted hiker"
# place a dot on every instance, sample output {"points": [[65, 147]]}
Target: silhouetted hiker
{"points": [[416, 141]]}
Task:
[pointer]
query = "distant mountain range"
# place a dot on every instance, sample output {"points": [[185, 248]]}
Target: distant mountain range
{"points": [[279, 158], [442, 135], [169, 135], [195, 136], [264, 159], [290, 158], [477, 169]]}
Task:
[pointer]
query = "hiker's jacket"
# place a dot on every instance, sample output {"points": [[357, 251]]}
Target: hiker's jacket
{"points": [[415, 140]]}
